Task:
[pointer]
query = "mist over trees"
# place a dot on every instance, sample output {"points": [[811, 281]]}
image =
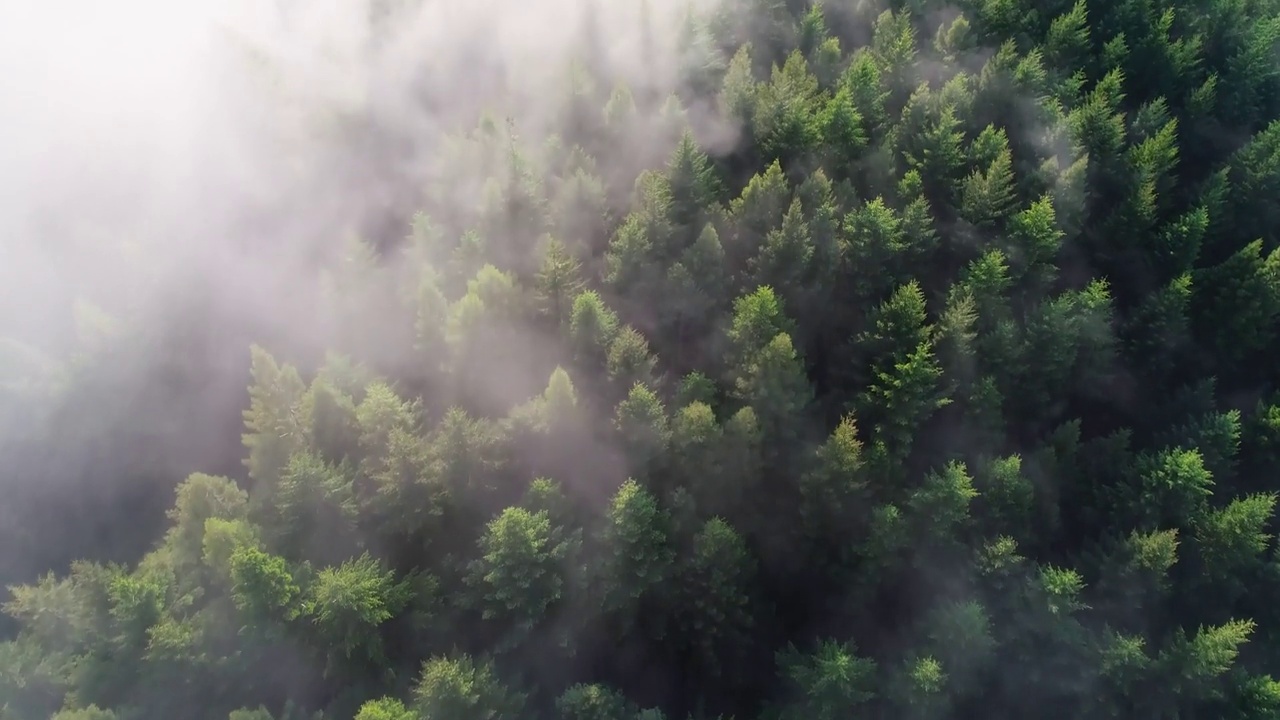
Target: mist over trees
{"points": [[573, 360]]}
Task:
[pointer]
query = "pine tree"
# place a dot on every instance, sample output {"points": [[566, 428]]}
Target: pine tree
{"points": [[558, 282]]}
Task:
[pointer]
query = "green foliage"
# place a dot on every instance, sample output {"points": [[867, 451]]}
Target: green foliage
{"points": [[1175, 485], [630, 361], [825, 683], [432, 314], [874, 238], [932, 143], [201, 498], [1237, 302], [906, 393], [1193, 661], [1160, 328], [1063, 587], [987, 197], [593, 702], [694, 184], [644, 427], [221, 540], [959, 634], [919, 688], [695, 387], [384, 709], [715, 582], [1154, 552], [897, 326], [1067, 42], [784, 259], [756, 212], [263, 587], [758, 318], [592, 328], [1007, 497], [93, 712], [737, 94], [833, 491], [521, 568], [942, 503], [842, 128], [1234, 538], [350, 601], [461, 686], [1034, 240], [379, 415], [785, 117], [769, 323], [273, 428], [776, 387], [558, 282], [314, 499], [638, 557]]}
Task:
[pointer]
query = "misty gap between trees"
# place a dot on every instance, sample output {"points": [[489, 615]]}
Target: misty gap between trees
{"points": [[640, 360]]}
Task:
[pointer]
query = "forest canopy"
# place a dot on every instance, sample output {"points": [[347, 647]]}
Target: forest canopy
{"points": [[906, 360]]}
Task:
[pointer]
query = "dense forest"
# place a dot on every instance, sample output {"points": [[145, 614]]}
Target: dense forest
{"points": [[910, 361]]}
